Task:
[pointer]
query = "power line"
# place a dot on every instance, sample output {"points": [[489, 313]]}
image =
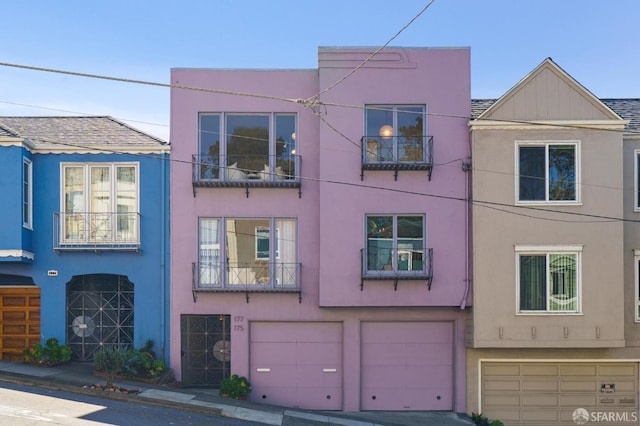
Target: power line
{"points": [[381, 188], [354, 70]]}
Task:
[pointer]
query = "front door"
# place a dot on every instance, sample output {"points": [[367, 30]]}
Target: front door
{"points": [[205, 349], [99, 314]]}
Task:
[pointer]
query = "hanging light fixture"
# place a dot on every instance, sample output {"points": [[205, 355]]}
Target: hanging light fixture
{"points": [[386, 131]]}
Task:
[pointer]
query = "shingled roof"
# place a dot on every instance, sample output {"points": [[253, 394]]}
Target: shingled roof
{"points": [[628, 109], [84, 131]]}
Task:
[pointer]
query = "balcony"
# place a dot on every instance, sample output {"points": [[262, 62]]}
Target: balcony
{"points": [[397, 264], [254, 277], [85, 231], [246, 171], [397, 153]]}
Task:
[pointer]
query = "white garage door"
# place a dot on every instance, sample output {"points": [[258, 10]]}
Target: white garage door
{"points": [[297, 364], [548, 393], [407, 366]]}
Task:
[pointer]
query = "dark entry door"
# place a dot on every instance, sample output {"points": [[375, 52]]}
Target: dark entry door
{"points": [[206, 349], [99, 314]]}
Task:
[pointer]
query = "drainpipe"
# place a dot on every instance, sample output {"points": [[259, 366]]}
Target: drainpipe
{"points": [[163, 229], [466, 167]]}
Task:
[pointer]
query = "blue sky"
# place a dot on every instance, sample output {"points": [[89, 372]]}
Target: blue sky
{"points": [[595, 41]]}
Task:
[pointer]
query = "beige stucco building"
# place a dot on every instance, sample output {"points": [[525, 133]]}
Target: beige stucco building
{"points": [[555, 209]]}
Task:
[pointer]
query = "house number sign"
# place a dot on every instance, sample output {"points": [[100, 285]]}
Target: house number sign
{"points": [[238, 323]]}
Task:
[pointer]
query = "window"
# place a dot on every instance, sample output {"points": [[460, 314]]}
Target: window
{"points": [[247, 147], [395, 133], [100, 203], [548, 279], [547, 171], [395, 244], [259, 252], [637, 285], [27, 194], [636, 182]]}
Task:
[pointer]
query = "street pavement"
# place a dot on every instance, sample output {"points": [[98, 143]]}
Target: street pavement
{"points": [[78, 377]]}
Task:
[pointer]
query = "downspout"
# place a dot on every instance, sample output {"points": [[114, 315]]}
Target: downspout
{"points": [[163, 236], [467, 168]]}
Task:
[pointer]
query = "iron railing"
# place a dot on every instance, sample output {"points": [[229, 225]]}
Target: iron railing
{"points": [[396, 264], [397, 149], [255, 276], [96, 231], [235, 168]]}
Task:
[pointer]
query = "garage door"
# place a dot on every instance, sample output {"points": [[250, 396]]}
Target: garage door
{"points": [[19, 321], [407, 366], [297, 364], [520, 393]]}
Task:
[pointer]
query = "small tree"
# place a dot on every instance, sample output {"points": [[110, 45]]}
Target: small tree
{"points": [[108, 362]]}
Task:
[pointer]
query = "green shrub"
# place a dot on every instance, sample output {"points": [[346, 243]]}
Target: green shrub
{"points": [[142, 363], [109, 362], [51, 353], [235, 387], [481, 420]]}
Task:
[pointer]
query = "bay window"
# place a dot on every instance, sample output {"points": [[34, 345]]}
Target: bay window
{"points": [[99, 204], [258, 252], [548, 279]]}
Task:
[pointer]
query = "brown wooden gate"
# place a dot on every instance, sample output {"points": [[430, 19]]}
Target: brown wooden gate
{"points": [[19, 321]]}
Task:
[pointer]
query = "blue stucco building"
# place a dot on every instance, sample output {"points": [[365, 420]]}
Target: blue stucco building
{"points": [[83, 235]]}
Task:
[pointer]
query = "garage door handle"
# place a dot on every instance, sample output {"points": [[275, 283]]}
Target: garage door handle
{"points": [[329, 370]]}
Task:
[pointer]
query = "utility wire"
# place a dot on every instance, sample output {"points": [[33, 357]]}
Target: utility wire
{"points": [[381, 188], [354, 70]]}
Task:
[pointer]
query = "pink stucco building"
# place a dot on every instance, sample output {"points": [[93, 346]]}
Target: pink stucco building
{"points": [[319, 229]]}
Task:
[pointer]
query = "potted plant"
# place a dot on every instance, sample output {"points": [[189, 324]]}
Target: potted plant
{"points": [[236, 387]]}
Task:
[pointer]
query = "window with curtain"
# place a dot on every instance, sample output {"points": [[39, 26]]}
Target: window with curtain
{"points": [[547, 172], [259, 252], [548, 281], [100, 203]]}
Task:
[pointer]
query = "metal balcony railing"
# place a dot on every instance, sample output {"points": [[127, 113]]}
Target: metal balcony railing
{"points": [[96, 231], [397, 264], [234, 168], [397, 153], [256, 276]]}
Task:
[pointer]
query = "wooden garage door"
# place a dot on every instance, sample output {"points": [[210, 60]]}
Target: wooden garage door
{"points": [[548, 393], [407, 366], [19, 321], [297, 364]]}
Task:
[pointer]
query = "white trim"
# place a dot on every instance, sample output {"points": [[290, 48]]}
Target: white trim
{"points": [[101, 149], [29, 223], [16, 141], [546, 144], [548, 248], [544, 360], [636, 284], [480, 124], [17, 253], [636, 172]]}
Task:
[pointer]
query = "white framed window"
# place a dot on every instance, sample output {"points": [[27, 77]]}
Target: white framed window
{"points": [[547, 172], [395, 243], [27, 193], [636, 268], [258, 251], [247, 146], [636, 181], [395, 133], [100, 203], [548, 279]]}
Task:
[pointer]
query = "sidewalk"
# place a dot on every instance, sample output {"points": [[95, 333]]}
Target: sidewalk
{"points": [[76, 377]]}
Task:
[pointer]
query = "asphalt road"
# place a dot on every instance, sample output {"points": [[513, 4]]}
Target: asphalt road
{"points": [[22, 405]]}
